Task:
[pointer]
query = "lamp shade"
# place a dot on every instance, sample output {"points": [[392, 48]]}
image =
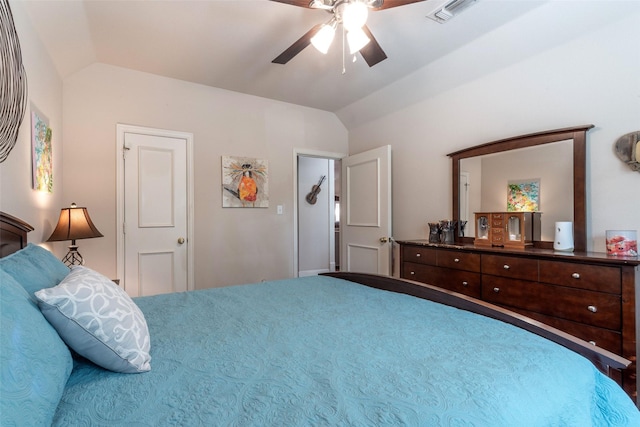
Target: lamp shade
{"points": [[74, 223], [323, 38], [354, 15], [357, 39]]}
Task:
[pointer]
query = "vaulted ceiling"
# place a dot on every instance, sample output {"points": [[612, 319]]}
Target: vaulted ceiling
{"points": [[230, 44]]}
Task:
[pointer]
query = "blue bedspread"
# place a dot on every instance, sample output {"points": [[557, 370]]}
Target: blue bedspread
{"points": [[322, 351]]}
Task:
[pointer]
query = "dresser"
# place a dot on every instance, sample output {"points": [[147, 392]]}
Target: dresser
{"points": [[589, 295]]}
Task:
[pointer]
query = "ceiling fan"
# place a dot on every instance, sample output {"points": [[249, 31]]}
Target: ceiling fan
{"points": [[352, 14]]}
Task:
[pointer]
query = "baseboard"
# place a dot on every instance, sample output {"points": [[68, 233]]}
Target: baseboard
{"points": [[307, 273]]}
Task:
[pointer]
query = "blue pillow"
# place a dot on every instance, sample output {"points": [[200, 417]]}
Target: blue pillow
{"points": [[35, 364], [34, 268]]}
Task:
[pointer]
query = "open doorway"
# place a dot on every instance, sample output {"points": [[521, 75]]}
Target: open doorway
{"points": [[317, 214], [364, 229], [336, 209]]}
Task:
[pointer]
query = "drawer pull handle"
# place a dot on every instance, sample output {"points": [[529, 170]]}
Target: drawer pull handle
{"points": [[413, 273], [496, 290], [465, 284], [456, 260], [418, 255], [592, 342], [506, 266], [575, 275], [592, 308]]}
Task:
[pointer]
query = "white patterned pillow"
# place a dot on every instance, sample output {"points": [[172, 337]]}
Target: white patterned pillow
{"points": [[98, 320]]}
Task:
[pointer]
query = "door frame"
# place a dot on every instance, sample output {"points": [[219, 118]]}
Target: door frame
{"points": [[121, 130], [297, 152]]}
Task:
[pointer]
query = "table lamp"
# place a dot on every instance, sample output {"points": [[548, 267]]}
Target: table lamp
{"points": [[74, 223]]}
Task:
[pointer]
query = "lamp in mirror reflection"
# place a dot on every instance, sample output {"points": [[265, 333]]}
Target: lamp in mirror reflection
{"points": [[74, 224]]}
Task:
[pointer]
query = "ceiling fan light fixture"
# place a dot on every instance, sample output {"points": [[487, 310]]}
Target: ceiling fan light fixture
{"points": [[321, 4], [357, 39], [322, 39], [354, 15]]}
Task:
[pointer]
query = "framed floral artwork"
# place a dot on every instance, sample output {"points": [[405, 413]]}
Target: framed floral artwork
{"points": [[41, 152], [245, 182], [523, 196]]}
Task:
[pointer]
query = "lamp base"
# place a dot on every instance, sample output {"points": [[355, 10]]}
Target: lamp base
{"points": [[73, 257]]}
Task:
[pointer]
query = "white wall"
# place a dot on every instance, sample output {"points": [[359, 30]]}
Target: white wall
{"points": [[585, 75], [17, 197], [232, 246]]}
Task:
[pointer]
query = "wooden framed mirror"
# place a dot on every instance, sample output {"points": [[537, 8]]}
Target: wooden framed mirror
{"points": [[574, 136]]}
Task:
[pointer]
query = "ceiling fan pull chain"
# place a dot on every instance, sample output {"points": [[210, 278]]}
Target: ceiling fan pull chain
{"points": [[344, 53]]}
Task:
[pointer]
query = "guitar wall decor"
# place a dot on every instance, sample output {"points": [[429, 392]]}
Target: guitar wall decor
{"points": [[312, 197]]}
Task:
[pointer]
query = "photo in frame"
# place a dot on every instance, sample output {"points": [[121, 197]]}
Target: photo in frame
{"points": [[245, 182], [41, 152], [523, 195]]}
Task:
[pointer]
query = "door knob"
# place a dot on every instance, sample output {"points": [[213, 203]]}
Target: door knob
{"points": [[384, 240], [180, 240]]}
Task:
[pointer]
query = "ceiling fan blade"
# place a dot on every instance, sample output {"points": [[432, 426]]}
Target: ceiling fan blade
{"points": [[297, 46], [300, 3], [372, 52], [388, 4]]}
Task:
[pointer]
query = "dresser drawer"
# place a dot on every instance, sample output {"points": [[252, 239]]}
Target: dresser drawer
{"points": [[497, 236], [513, 267], [497, 218], [419, 272], [583, 276], [603, 338], [464, 282], [592, 308], [459, 260], [419, 254]]}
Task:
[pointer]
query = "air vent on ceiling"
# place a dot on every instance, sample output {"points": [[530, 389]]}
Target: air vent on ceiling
{"points": [[447, 9]]}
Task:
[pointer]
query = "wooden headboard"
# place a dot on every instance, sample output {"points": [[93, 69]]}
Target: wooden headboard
{"points": [[13, 234]]}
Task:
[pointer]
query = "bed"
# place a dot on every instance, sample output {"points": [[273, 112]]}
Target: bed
{"points": [[339, 349]]}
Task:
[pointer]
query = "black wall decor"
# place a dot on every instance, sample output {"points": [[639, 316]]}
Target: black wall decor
{"points": [[13, 82]]}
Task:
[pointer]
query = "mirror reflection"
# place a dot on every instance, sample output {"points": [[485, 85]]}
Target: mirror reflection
{"points": [[484, 183]]}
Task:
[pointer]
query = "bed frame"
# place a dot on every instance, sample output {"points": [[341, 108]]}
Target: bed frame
{"points": [[13, 237], [13, 234]]}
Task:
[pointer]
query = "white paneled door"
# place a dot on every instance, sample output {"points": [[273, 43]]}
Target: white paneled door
{"points": [[366, 212], [155, 229]]}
